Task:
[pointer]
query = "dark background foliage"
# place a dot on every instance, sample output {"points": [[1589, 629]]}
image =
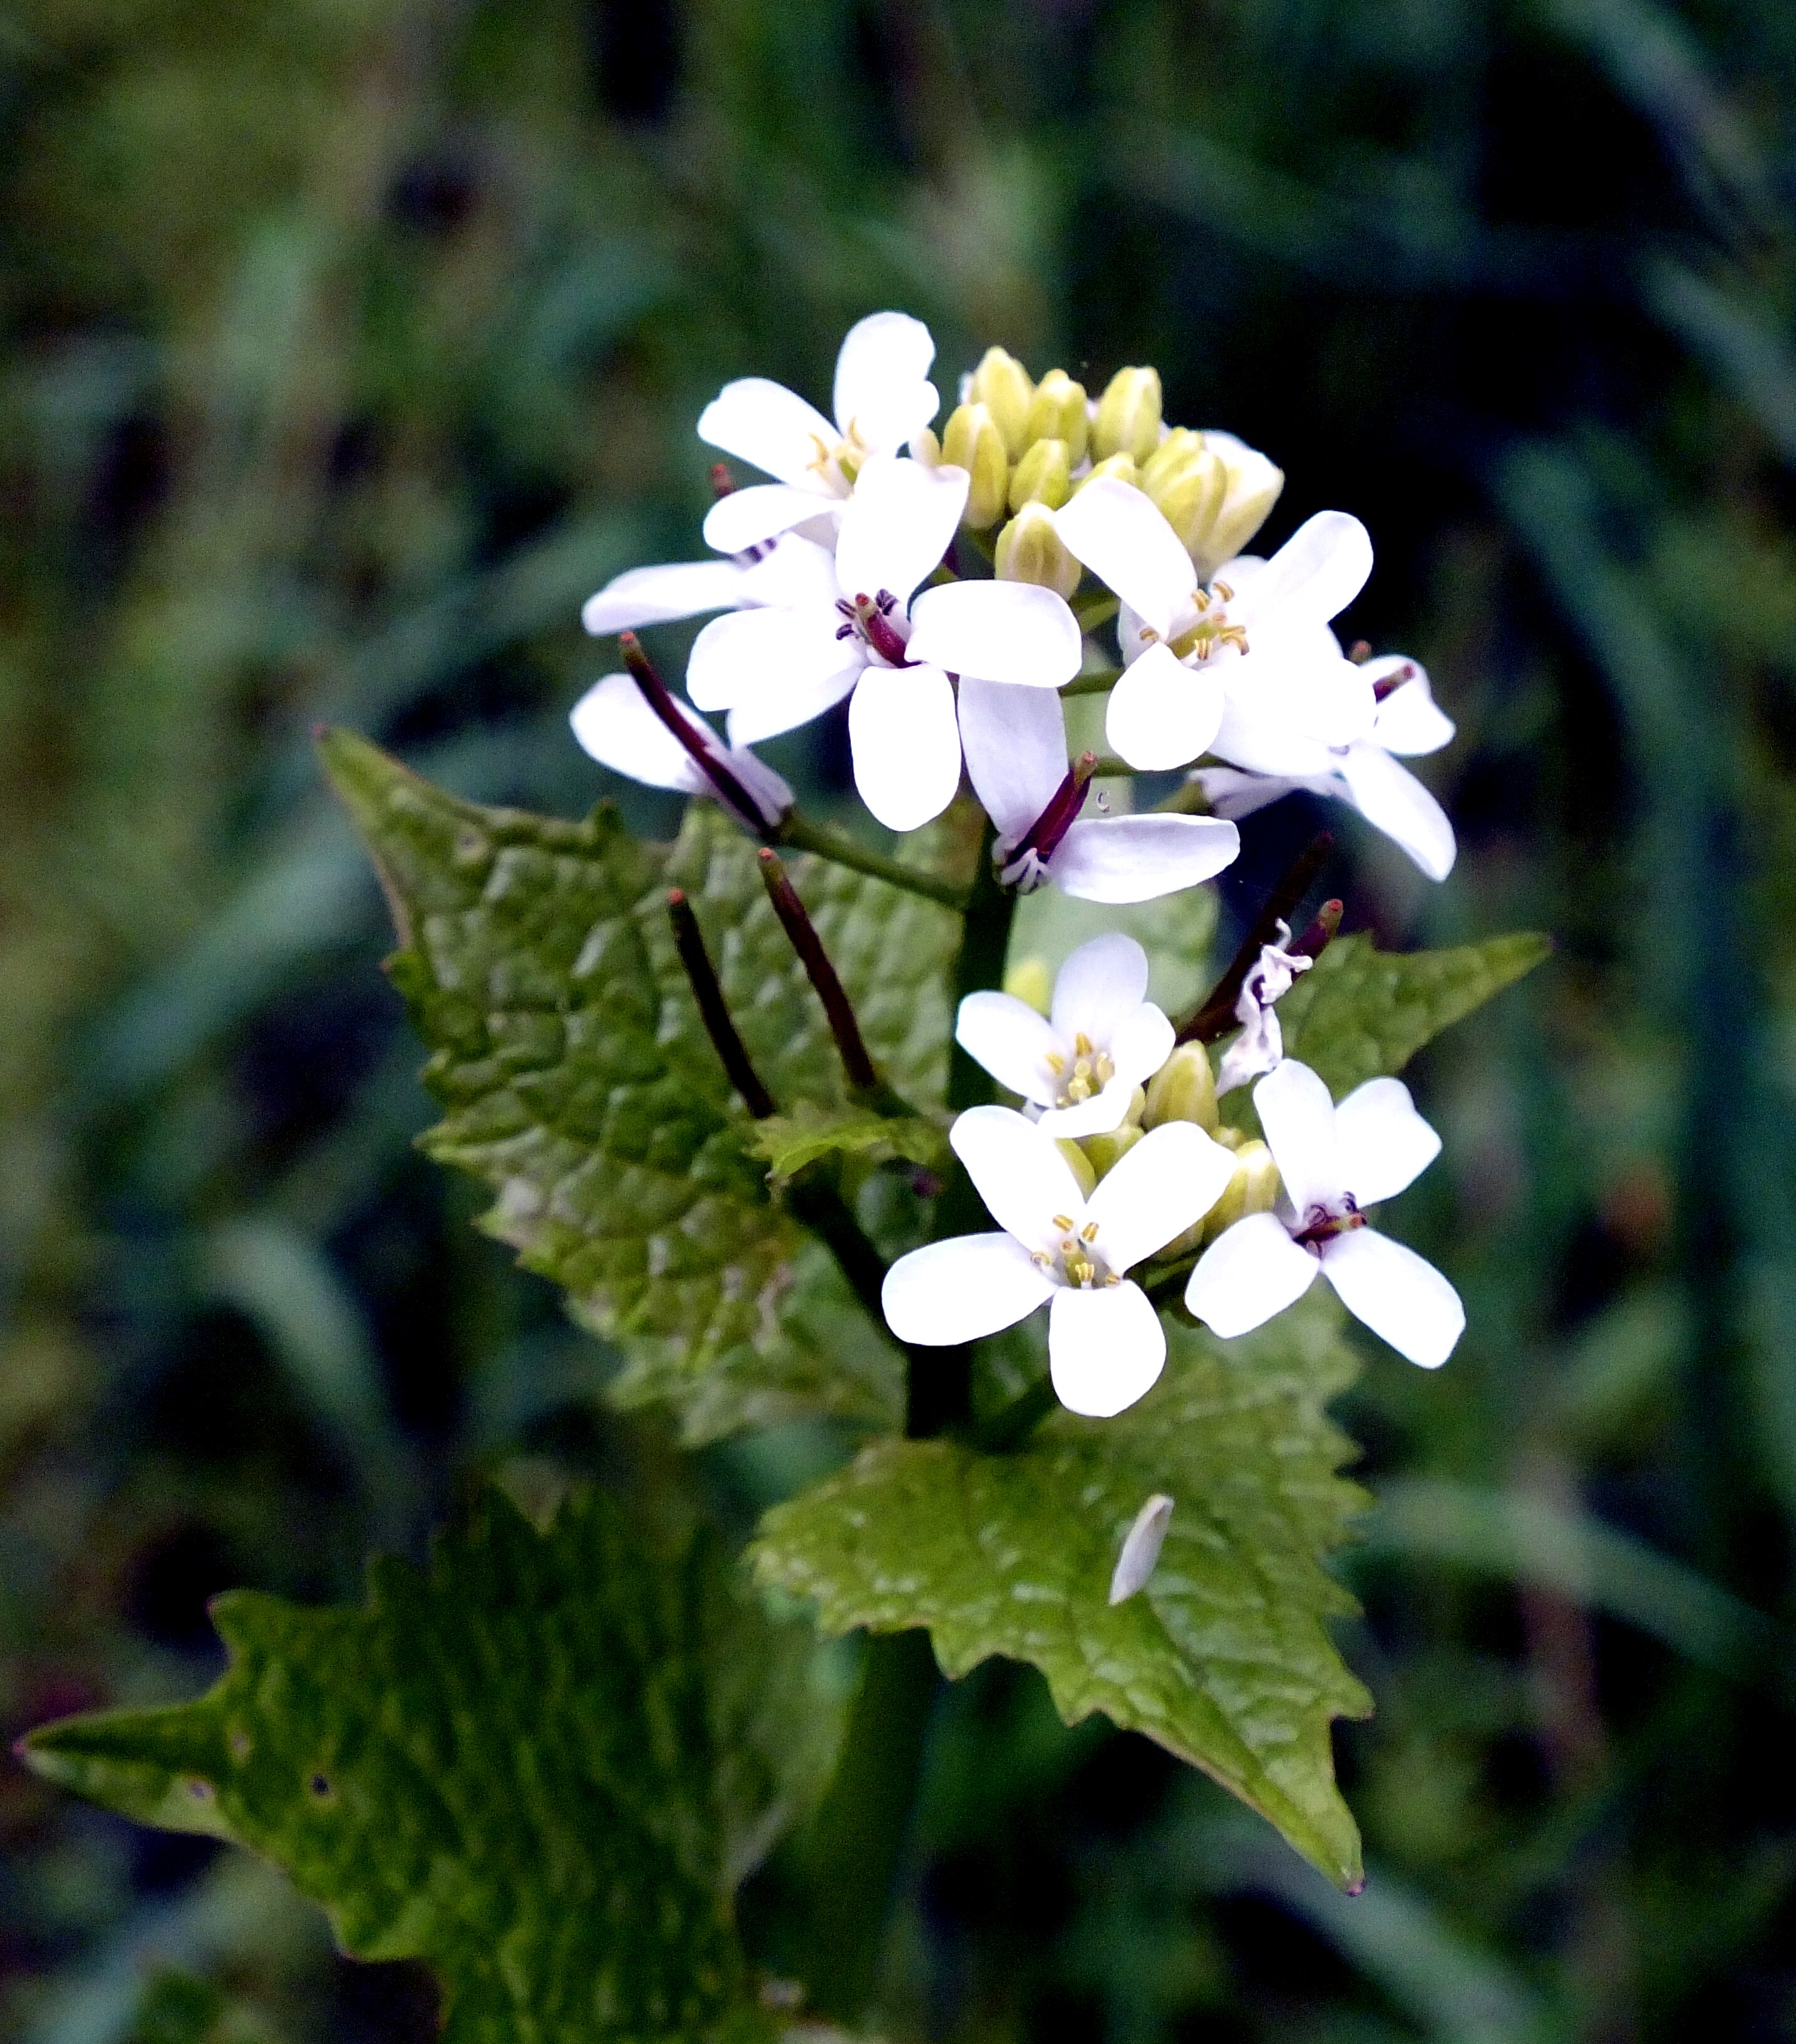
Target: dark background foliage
{"points": [[348, 344]]}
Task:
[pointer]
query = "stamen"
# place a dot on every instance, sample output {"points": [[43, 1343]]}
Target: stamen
{"points": [[732, 1053], [1089, 1233], [1081, 1043], [656, 692], [1224, 591], [821, 974], [1054, 1062], [1062, 1222]]}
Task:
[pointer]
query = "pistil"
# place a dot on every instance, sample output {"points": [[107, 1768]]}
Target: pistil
{"points": [[1041, 840]]}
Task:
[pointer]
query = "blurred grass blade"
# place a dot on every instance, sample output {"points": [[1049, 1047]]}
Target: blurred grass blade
{"points": [[1736, 340]]}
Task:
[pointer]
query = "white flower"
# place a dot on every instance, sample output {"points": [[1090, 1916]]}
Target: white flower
{"points": [[883, 398], [1015, 741], [1105, 1345], [855, 627], [1141, 1548], [1080, 1066], [664, 594], [1256, 637], [1406, 721], [616, 724], [1261, 1043], [1333, 1163]]}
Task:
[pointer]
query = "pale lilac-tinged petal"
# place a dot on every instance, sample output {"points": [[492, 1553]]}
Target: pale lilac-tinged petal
{"points": [[772, 711], [1409, 721], [1316, 573], [1141, 1548], [906, 744], [1104, 1110], [1119, 533], [1161, 713], [752, 654], [1105, 1348], [1102, 982], [1170, 1179], [1142, 1044], [771, 794], [1015, 1169], [1398, 1294], [882, 393], [615, 725], [1298, 1118], [1251, 1271], [797, 573], [1384, 1144], [1391, 799], [962, 1289], [1009, 632], [1015, 742], [1013, 1043], [1138, 858], [769, 426], [662, 595], [1235, 794], [745, 517], [897, 525]]}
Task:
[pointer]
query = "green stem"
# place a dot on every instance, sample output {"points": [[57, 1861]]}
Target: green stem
{"points": [[802, 834]]}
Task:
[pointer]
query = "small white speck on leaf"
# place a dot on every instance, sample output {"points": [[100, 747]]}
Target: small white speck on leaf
{"points": [[1141, 1547]]}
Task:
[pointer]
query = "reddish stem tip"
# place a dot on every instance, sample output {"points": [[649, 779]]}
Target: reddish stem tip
{"points": [[676, 898]]}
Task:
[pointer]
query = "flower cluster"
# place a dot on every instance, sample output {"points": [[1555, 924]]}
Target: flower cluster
{"points": [[953, 581]]}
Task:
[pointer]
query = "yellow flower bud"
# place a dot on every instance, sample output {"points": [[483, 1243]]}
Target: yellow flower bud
{"points": [[1128, 415], [1043, 476], [1106, 1150], [1081, 1165], [1253, 1189], [925, 448], [971, 440], [1001, 384], [1030, 549], [1214, 491], [1183, 1090], [1058, 413], [1028, 980]]}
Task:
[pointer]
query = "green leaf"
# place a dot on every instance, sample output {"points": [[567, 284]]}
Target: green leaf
{"points": [[1359, 1012], [1225, 1657], [789, 1142], [538, 1767]]}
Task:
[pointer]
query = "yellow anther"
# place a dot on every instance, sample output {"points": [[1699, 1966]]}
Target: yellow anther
{"points": [[1224, 591], [1110, 1277], [1089, 1233], [1062, 1222], [1041, 1256], [1054, 1062], [1104, 1068], [1200, 601], [1081, 1043], [1079, 1089]]}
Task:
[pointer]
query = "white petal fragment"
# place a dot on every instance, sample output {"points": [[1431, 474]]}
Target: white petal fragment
{"points": [[897, 525], [1105, 1348], [1009, 632], [1391, 799], [1095, 1117], [1385, 1144], [960, 1290], [1141, 1548], [1170, 1179], [906, 744], [1119, 533], [1015, 741], [1161, 713], [769, 426], [1396, 1294], [745, 517], [1251, 1271], [1137, 858], [616, 727], [1142, 1044], [770, 711], [1298, 1118], [662, 595], [1012, 1042], [1015, 1169], [1101, 983], [1316, 573]]}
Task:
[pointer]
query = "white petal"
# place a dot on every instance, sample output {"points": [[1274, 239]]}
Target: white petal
{"points": [[745, 517], [1390, 797], [897, 525], [1251, 1271], [1119, 533], [1100, 982], [1171, 1179], [1161, 713], [614, 723], [1015, 741], [959, 1289], [755, 653], [1105, 1348], [1141, 1548], [1096, 1116], [883, 392], [1009, 632], [1396, 1294], [797, 573], [1235, 794], [1384, 1144], [1137, 858], [1141, 1044], [1298, 1118], [1298, 682], [772, 711], [1015, 1169], [772, 428], [1316, 573], [659, 595], [1013, 1043], [770, 792], [906, 744], [1262, 733], [1408, 720]]}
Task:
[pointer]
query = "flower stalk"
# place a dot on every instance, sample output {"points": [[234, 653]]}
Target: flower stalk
{"points": [[726, 1040], [660, 700], [801, 933]]}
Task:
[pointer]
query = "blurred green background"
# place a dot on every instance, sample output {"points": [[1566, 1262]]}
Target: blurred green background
{"points": [[349, 343]]}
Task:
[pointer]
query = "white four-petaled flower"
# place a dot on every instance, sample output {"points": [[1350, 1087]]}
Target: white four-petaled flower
{"points": [[1333, 1162], [855, 627], [1079, 1065], [1105, 1345]]}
